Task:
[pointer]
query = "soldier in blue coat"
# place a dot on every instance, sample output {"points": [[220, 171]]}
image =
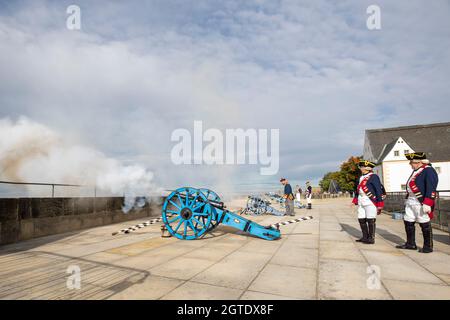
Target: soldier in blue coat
{"points": [[419, 206], [369, 199]]}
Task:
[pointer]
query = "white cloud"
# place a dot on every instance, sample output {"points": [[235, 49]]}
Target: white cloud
{"points": [[139, 70]]}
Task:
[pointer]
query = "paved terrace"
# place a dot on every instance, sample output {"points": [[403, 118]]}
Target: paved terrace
{"points": [[316, 259]]}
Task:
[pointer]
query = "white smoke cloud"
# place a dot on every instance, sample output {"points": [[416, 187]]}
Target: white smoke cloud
{"points": [[32, 152]]}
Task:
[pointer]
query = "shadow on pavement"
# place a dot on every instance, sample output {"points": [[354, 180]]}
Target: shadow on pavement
{"points": [[47, 276], [217, 232], [29, 244], [390, 236], [356, 233], [443, 238]]}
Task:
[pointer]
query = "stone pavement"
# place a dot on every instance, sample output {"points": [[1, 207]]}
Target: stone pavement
{"points": [[315, 259]]}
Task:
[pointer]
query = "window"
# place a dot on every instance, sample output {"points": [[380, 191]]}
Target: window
{"points": [[396, 153], [438, 170], [406, 151], [403, 187]]}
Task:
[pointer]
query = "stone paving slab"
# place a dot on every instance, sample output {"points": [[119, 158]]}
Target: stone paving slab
{"points": [[301, 257], [261, 246], [134, 249], [444, 277], [286, 281], [151, 288], [105, 257], [183, 268], [213, 252], [335, 236], [380, 245], [235, 271], [309, 241], [330, 226], [201, 291], [315, 259], [254, 295], [398, 266], [339, 279], [417, 291], [340, 251], [437, 263]]}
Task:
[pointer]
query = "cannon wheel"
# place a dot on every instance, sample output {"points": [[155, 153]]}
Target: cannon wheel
{"points": [[187, 214], [256, 206], [211, 195]]}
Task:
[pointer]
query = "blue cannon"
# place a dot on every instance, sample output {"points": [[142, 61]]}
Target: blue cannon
{"points": [[257, 206], [282, 201], [189, 213]]}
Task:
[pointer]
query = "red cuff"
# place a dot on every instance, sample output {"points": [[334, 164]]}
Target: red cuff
{"points": [[379, 204], [428, 202], [431, 215], [355, 201]]}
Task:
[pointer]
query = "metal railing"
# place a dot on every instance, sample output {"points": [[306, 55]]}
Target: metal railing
{"points": [[395, 202], [53, 185], [327, 195]]}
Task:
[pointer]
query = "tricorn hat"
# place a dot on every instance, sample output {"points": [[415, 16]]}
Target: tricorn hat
{"points": [[366, 163], [416, 156]]}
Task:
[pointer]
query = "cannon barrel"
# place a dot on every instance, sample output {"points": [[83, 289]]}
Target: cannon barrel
{"points": [[216, 204]]}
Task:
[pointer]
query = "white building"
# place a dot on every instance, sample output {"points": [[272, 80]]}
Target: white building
{"points": [[388, 146]]}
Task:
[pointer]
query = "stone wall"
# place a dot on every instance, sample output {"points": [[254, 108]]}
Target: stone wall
{"points": [[27, 218]]}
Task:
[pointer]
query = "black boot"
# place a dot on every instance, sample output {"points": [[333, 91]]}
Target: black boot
{"points": [[427, 232], [309, 206], [371, 237], [364, 229], [410, 237]]}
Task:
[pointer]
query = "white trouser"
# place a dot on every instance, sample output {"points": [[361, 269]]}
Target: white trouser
{"points": [[367, 212], [366, 208], [298, 196], [414, 211], [308, 199]]}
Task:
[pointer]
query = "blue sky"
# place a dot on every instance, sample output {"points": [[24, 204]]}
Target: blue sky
{"points": [[137, 70]]}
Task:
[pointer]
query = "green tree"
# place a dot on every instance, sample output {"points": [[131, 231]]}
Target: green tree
{"points": [[349, 174], [346, 177], [326, 180]]}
